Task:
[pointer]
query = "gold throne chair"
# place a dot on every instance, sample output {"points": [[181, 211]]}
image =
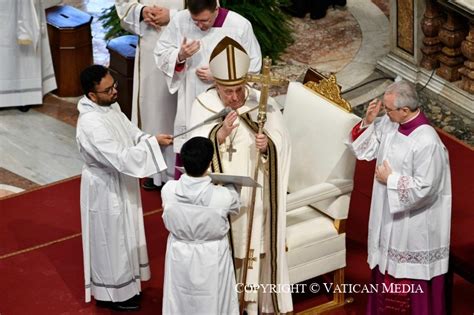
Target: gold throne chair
{"points": [[320, 183]]}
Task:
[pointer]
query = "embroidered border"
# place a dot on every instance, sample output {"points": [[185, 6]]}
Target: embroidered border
{"points": [[402, 187], [418, 257]]}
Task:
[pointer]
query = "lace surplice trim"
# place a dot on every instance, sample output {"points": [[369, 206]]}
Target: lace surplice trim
{"points": [[364, 145], [418, 257], [402, 187]]}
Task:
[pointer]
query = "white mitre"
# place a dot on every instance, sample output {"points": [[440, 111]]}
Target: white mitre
{"points": [[229, 62]]}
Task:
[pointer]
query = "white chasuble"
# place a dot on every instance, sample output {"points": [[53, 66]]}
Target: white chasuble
{"points": [[410, 217], [25, 58], [269, 225], [115, 153], [153, 106], [199, 272], [186, 83]]}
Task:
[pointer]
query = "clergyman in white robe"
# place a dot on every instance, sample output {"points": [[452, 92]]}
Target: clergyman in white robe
{"points": [[199, 271], [115, 153], [269, 224], [153, 106], [410, 214], [27, 72], [185, 81]]}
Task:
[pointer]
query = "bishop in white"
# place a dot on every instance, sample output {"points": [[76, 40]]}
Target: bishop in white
{"points": [[236, 141]]}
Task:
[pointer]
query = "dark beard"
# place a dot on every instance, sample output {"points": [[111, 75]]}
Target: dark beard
{"points": [[106, 103]]}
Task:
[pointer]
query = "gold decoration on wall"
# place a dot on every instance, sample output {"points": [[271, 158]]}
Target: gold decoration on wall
{"points": [[329, 89]]}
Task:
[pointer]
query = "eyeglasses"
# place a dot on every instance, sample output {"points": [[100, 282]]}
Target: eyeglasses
{"points": [[110, 89], [387, 110]]}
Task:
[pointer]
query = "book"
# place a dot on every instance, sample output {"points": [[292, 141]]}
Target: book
{"points": [[224, 179]]}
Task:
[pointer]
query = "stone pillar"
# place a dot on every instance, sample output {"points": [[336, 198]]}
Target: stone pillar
{"points": [[451, 35], [430, 25], [467, 72]]}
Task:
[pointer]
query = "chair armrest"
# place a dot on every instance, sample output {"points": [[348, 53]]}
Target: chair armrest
{"points": [[315, 193]]}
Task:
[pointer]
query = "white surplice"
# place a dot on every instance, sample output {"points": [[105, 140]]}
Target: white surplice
{"points": [[153, 106], [243, 163], [410, 217], [199, 271], [186, 82], [115, 153], [27, 71]]}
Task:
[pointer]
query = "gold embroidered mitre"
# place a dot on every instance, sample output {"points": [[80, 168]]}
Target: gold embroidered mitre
{"points": [[229, 62]]}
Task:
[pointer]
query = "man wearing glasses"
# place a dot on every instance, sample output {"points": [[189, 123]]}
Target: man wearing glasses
{"points": [[410, 212], [116, 153], [184, 49]]}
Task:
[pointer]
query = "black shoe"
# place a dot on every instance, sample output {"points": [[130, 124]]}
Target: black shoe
{"points": [[338, 3], [129, 305], [148, 184]]}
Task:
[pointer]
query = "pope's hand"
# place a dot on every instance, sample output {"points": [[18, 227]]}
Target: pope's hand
{"points": [[227, 126], [164, 139], [372, 111], [261, 141], [382, 172], [188, 49]]}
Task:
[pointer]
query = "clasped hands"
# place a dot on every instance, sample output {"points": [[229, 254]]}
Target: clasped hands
{"points": [[156, 16], [261, 140]]}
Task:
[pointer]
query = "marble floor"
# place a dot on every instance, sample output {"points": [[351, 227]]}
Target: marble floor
{"points": [[38, 147]]}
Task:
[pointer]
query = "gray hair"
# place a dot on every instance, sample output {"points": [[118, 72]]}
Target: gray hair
{"points": [[405, 94]]}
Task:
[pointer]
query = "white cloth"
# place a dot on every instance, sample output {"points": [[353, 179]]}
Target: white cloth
{"points": [[410, 217], [199, 271], [25, 57], [153, 106], [243, 163], [186, 82], [115, 152]]}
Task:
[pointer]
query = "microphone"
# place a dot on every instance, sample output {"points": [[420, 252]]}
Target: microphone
{"points": [[222, 113]]}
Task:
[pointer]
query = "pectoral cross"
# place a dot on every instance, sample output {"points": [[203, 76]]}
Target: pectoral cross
{"points": [[230, 150], [251, 259]]}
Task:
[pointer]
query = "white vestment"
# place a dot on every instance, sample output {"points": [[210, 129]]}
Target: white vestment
{"points": [[263, 242], [186, 82], [199, 272], [410, 217], [153, 106], [27, 71], [115, 153]]}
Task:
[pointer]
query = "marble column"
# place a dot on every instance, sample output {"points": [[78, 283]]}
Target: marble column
{"points": [[430, 25], [451, 34], [467, 72]]}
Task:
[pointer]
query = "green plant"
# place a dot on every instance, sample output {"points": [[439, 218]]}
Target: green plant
{"points": [[111, 23], [271, 25]]}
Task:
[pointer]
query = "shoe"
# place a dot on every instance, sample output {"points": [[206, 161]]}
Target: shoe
{"points": [[338, 3], [129, 305], [148, 184]]}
